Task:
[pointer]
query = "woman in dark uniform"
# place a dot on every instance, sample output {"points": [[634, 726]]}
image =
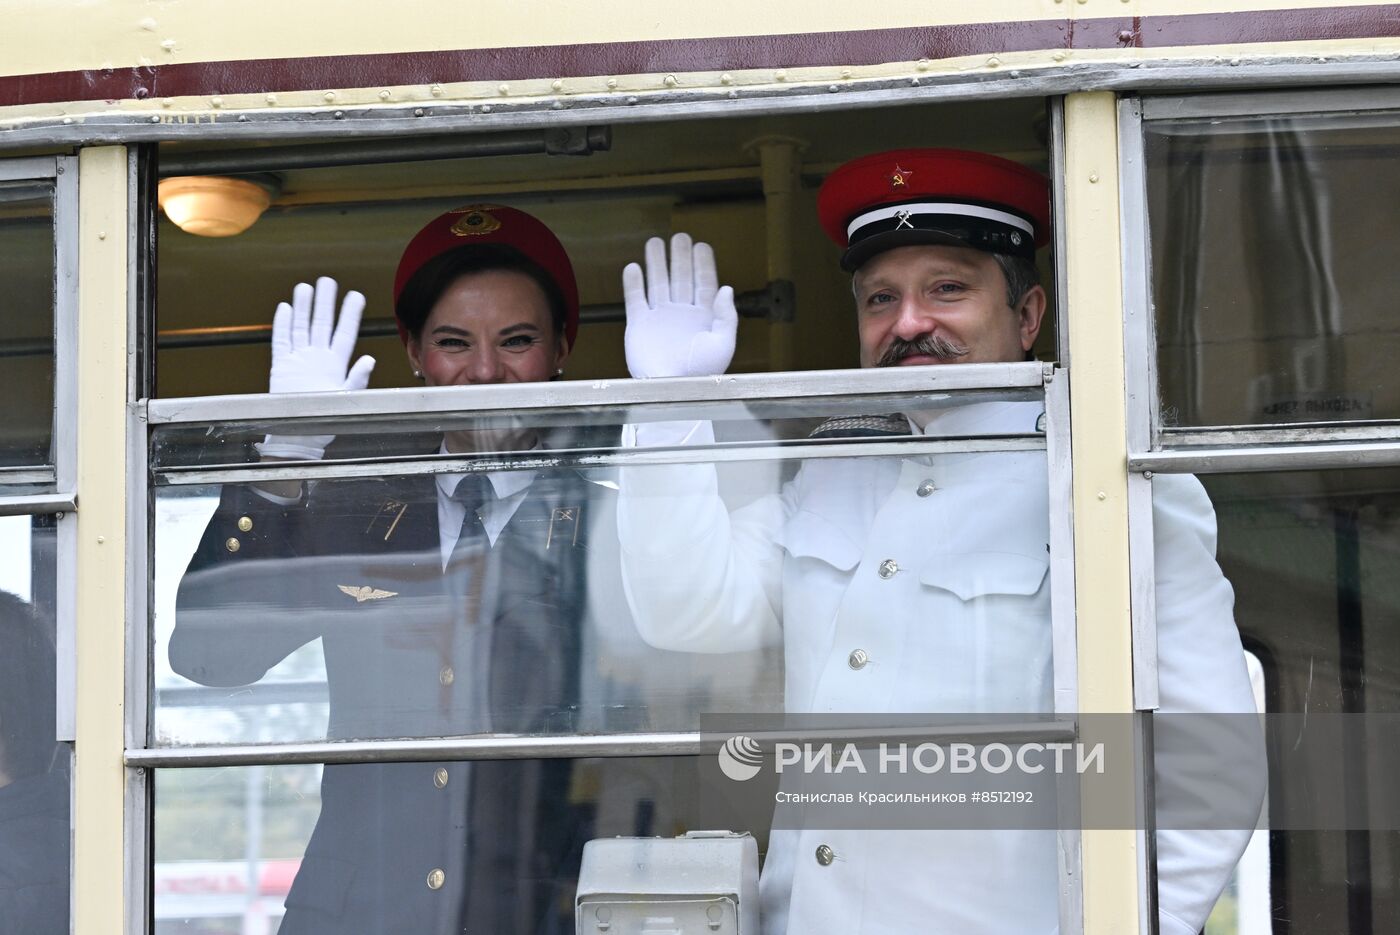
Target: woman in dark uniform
{"points": [[446, 604]]}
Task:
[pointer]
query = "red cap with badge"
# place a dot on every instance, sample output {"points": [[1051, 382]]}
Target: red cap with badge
{"points": [[934, 196], [492, 224]]}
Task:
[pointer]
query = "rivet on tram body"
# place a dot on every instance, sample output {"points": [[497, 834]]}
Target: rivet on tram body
{"points": [[340, 115], [418, 111], [216, 102], [328, 96], [780, 75], [556, 85], [1146, 475], [503, 89], [1102, 495], [914, 82], [833, 88], [612, 84], [1059, 56], [271, 98], [155, 119], [670, 81], [733, 95], [242, 118], [436, 90], [167, 102], [921, 64], [486, 108], [993, 62], [67, 119], [557, 105], [101, 235], [168, 45], [633, 99], [101, 539], [1093, 177], [726, 78], [148, 24], [845, 73], [385, 95]]}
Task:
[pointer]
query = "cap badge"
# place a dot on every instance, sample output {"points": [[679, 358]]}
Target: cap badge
{"points": [[1015, 239], [900, 177], [904, 222], [476, 222]]}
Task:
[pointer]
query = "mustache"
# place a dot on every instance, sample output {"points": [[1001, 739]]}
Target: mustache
{"points": [[925, 345]]}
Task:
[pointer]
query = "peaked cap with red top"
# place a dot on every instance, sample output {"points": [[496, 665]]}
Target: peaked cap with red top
{"points": [[473, 225], [934, 196]]}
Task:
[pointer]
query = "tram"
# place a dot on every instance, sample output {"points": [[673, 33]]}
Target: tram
{"points": [[1220, 277]]}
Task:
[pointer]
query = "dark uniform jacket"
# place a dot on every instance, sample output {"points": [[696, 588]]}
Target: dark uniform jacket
{"points": [[491, 645]]}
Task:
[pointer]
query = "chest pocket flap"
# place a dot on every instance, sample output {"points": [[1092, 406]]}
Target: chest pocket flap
{"points": [[810, 535], [975, 574]]}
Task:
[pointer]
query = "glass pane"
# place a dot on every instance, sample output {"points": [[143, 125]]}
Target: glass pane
{"points": [[403, 847], [1275, 253], [1311, 556], [26, 323], [616, 598], [34, 770]]}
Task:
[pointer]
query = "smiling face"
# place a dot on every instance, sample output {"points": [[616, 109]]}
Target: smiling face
{"points": [[924, 304], [488, 327]]}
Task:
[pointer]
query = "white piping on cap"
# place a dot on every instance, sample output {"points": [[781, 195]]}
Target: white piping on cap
{"points": [[940, 207]]}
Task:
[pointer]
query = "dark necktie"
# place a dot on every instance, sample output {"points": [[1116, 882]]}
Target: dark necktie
{"points": [[474, 492]]}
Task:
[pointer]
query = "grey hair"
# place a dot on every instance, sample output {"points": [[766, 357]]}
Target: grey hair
{"points": [[1021, 276]]}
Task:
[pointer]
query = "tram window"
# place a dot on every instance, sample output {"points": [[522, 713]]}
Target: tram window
{"points": [[26, 323], [1311, 558], [353, 222], [34, 769], [1275, 262], [460, 846]]}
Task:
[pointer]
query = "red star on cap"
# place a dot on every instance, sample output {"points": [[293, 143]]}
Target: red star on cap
{"points": [[899, 177]]}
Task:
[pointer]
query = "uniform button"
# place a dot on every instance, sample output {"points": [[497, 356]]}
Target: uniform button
{"points": [[440, 778], [858, 658], [925, 488], [888, 567], [245, 523], [825, 855], [436, 878], [447, 676], [231, 544]]}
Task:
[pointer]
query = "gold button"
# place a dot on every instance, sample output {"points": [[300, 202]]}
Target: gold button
{"points": [[825, 855], [858, 658], [925, 488], [446, 676], [231, 544], [888, 568], [440, 778], [436, 879], [245, 523]]}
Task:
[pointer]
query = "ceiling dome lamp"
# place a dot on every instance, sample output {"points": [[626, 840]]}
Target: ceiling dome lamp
{"points": [[216, 205]]}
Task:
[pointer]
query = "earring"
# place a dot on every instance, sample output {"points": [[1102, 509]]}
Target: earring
{"points": [[559, 371], [417, 374]]}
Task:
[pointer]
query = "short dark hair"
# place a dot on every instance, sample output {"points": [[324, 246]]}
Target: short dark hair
{"points": [[27, 686], [423, 291], [1021, 276]]}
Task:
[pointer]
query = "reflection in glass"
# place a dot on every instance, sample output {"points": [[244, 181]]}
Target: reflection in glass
{"points": [[26, 323], [34, 769], [1312, 557], [235, 849], [1275, 248]]}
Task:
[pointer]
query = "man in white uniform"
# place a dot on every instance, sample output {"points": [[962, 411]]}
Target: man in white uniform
{"points": [[915, 584]]}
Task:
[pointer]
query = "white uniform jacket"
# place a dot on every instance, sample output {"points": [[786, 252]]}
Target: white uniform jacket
{"points": [[936, 570]]}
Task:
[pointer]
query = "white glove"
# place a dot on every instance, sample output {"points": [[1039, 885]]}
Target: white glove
{"points": [[682, 325], [310, 353]]}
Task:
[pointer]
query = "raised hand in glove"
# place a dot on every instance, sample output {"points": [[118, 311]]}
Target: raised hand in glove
{"points": [[680, 324], [310, 354]]}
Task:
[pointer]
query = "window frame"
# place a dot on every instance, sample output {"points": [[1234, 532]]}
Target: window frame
{"points": [[146, 414]]}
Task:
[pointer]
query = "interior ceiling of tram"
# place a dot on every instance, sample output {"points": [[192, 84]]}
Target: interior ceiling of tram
{"points": [[701, 176]]}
